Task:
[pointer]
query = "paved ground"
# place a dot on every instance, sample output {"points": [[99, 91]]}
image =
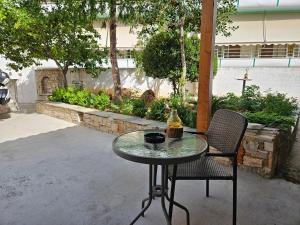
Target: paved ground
{"points": [[55, 173], [291, 167]]}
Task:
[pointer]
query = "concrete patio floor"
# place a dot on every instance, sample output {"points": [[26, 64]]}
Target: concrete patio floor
{"points": [[56, 173]]}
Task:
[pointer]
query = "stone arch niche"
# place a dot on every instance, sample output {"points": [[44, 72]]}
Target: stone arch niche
{"points": [[47, 80]]}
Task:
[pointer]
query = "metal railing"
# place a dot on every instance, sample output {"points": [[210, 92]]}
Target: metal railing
{"points": [[277, 51]]}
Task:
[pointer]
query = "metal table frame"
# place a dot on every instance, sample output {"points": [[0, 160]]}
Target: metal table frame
{"points": [[161, 190]]}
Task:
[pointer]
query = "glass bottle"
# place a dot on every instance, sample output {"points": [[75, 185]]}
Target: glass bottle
{"points": [[174, 121]]}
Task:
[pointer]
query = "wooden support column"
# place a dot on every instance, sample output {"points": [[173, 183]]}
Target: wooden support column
{"points": [[207, 44]]}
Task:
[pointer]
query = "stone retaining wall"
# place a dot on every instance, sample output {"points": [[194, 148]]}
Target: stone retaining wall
{"points": [[259, 151]]}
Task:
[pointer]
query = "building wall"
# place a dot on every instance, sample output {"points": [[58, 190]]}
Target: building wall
{"points": [[280, 79], [129, 79]]}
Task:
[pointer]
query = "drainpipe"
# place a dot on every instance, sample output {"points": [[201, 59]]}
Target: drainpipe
{"points": [[289, 63], [253, 64]]}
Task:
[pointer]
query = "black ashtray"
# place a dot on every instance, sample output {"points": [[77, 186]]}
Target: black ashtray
{"points": [[154, 138]]}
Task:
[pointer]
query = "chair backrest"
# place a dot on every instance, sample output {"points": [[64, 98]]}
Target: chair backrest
{"points": [[226, 130]]}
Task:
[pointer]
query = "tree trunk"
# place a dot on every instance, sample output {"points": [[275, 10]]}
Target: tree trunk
{"points": [[113, 52], [174, 87], [64, 72], [183, 60]]}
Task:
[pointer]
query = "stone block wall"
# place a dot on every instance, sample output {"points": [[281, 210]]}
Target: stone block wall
{"points": [[47, 80], [259, 151]]}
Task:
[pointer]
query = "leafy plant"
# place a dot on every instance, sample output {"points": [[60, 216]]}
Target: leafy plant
{"points": [[124, 107], [57, 95], [271, 119], [280, 104], [83, 98], [251, 100], [157, 110], [100, 101], [187, 115], [139, 107]]}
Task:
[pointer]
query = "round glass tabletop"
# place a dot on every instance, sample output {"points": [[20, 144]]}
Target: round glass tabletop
{"points": [[132, 146]]}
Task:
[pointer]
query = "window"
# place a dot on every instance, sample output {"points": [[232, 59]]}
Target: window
{"points": [[296, 51]]}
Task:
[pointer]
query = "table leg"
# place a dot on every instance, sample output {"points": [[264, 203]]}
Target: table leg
{"points": [[164, 174], [172, 201], [149, 198], [162, 192]]}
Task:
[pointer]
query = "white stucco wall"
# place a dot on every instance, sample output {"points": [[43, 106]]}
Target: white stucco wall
{"points": [[278, 79], [26, 86], [139, 83]]}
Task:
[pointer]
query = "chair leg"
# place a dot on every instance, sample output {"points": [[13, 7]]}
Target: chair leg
{"points": [[172, 192], [234, 201], [207, 188], [155, 175]]}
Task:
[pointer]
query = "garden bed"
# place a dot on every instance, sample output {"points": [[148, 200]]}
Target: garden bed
{"points": [[260, 151]]}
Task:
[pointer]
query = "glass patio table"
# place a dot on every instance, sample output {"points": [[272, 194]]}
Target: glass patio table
{"points": [[173, 151]]}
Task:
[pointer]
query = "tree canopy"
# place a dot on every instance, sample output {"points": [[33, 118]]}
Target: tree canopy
{"points": [[161, 58], [61, 30], [158, 15]]}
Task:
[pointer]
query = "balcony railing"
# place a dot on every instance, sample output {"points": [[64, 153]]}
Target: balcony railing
{"points": [[258, 51]]}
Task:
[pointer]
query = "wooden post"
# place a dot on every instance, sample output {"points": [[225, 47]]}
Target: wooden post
{"points": [[207, 44]]}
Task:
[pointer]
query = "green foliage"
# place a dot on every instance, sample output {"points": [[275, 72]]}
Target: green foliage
{"points": [[192, 50], [80, 97], [280, 104], [123, 107], [157, 110], [139, 107], [167, 15], [188, 115], [274, 110], [161, 58], [251, 100], [271, 119], [31, 31]]}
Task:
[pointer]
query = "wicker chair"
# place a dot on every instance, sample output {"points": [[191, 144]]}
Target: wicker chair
{"points": [[225, 133]]}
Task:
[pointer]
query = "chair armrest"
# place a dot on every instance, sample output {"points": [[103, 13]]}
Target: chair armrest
{"points": [[195, 132], [213, 154]]}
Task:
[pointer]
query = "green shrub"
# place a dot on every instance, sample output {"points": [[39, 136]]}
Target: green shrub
{"points": [[271, 119], [82, 98], [57, 95], [272, 110], [251, 100], [280, 104], [124, 107], [139, 107], [70, 95], [175, 101], [157, 110], [100, 101], [187, 115]]}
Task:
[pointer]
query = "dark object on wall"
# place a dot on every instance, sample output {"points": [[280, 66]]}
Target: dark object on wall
{"points": [[4, 92], [4, 78], [148, 96], [4, 95]]}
